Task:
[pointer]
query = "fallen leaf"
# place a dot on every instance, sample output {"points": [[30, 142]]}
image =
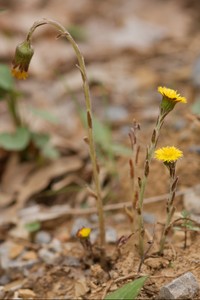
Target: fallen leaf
{"points": [[41, 177], [26, 294], [30, 255], [16, 250], [81, 287]]}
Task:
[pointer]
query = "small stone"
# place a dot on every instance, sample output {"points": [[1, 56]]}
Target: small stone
{"points": [[116, 113], [55, 245], [42, 237], [119, 217], [47, 256], [22, 265], [195, 149], [183, 287], [72, 261], [26, 294], [94, 236], [149, 218], [4, 279], [94, 218], [195, 76], [111, 235], [2, 292], [192, 200], [179, 124]]}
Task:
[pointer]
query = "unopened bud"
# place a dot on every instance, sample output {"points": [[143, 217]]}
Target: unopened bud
{"points": [[23, 55]]}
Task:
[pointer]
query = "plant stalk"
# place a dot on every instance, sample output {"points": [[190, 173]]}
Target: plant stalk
{"points": [[169, 211], [13, 110], [142, 186], [82, 68]]}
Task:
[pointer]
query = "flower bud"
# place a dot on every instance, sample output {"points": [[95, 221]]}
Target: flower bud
{"points": [[23, 55], [83, 233]]}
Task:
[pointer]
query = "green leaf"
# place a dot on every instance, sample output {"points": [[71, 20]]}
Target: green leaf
{"points": [[45, 115], [121, 150], [6, 80], [77, 32], [185, 213], [102, 133], [128, 291], [16, 141], [40, 139], [50, 152], [33, 227]]}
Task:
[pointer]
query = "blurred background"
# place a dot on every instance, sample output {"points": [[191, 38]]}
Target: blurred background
{"points": [[130, 48]]}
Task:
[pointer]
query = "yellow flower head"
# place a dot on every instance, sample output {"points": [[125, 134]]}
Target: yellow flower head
{"points": [[172, 95], [23, 55], [169, 100], [84, 232], [17, 73], [168, 154]]}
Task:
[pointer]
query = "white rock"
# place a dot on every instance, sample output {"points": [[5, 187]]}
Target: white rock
{"points": [[183, 287]]}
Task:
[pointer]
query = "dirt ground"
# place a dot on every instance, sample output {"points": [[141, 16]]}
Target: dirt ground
{"points": [[130, 48]]}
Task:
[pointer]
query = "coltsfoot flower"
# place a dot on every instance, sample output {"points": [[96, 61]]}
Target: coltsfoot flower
{"points": [[84, 233], [170, 99], [23, 55], [168, 154], [171, 94]]}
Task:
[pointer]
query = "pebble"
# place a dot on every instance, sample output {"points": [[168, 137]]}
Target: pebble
{"points": [[4, 279], [195, 149], [111, 235], [119, 217], [149, 218], [183, 287], [42, 237], [94, 218], [196, 73], [191, 200], [179, 124], [94, 236], [47, 256], [55, 245], [116, 113], [78, 224], [72, 261]]}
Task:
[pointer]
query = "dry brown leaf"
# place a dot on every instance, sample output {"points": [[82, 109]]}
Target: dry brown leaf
{"points": [[15, 250], [15, 173], [26, 294], [41, 178], [5, 199], [30, 255], [81, 287], [66, 181]]}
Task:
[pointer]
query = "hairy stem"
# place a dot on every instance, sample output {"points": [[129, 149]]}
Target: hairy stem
{"points": [[82, 68], [169, 211], [142, 186], [13, 110]]}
